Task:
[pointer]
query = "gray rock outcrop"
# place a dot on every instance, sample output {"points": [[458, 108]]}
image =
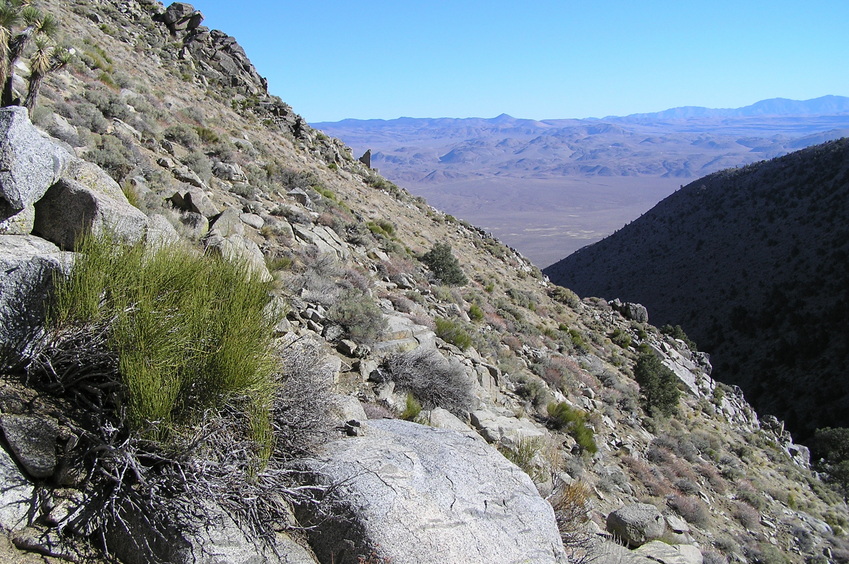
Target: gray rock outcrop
{"points": [[33, 440], [27, 266], [416, 494], [29, 162], [636, 524], [69, 209], [17, 495]]}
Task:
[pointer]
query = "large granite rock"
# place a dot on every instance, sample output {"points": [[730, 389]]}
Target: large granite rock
{"points": [[420, 495], [17, 496], [33, 441], [29, 162], [636, 524], [69, 209], [27, 266], [238, 249]]}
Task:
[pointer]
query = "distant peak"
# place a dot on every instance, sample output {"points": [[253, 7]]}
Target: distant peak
{"points": [[503, 118]]}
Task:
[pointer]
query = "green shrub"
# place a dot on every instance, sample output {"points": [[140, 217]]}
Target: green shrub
{"points": [[677, 332], [523, 457], [564, 417], [475, 312], [444, 265], [189, 332], [621, 338], [432, 379], [577, 340], [565, 296], [659, 391], [358, 315], [412, 409], [832, 446], [452, 332]]}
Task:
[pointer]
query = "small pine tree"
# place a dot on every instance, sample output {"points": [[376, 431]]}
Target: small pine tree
{"points": [[444, 265], [659, 391]]}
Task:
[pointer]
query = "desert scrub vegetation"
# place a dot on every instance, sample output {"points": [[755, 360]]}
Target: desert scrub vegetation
{"points": [[453, 332], [564, 417], [659, 391], [444, 265], [186, 333], [359, 316], [431, 379]]}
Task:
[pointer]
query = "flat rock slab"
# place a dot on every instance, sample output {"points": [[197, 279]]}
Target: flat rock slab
{"points": [[659, 551], [420, 495]]}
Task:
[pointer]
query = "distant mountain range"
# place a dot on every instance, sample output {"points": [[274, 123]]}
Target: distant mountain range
{"points": [[681, 142], [754, 264], [522, 178]]}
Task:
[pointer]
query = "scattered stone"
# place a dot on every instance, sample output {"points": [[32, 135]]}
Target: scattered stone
{"points": [[636, 524], [347, 347], [252, 220]]}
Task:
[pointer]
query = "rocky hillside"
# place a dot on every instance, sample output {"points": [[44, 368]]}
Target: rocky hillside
{"points": [[423, 394], [751, 263]]}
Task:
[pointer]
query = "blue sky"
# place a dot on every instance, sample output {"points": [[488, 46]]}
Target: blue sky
{"points": [[539, 59]]}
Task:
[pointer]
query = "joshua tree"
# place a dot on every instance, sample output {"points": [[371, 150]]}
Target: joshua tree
{"points": [[20, 22], [43, 61]]}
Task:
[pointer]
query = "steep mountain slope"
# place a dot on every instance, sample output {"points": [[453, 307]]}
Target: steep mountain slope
{"points": [[751, 262], [503, 360]]}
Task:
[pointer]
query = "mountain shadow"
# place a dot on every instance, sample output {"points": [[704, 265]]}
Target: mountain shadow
{"points": [[754, 264]]}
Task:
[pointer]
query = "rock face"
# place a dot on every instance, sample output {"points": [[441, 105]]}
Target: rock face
{"points": [[636, 524], [415, 494], [33, 440], [27, 265], [29, 162], [70, 208]]}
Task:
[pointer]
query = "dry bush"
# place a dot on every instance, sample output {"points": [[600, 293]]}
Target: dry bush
{"points": [[746, 515], [693, 510], [653, 480], [572, 506], [713, 477], [432, 379], [301, 408]]}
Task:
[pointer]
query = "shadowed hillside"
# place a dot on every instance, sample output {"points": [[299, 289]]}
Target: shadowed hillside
{"points": [[752, 262]]}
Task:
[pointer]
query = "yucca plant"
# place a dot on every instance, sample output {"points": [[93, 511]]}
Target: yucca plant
{"points": [[20, 23]]}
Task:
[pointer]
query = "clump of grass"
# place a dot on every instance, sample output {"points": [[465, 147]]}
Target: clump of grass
{"points": [[572, 420], [189, 332], [412, 408], [452, 332]]}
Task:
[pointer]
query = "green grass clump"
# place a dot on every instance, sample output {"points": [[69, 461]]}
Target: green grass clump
{"points": [[412, 408], [189, 332], [452, 332], [564, 417]]}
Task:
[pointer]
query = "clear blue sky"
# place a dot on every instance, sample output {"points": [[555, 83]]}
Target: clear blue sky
{"points": [[539, 59]]}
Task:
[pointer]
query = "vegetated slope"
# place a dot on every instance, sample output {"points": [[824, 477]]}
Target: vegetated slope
{"points": [[752, 263], [543, 376]]}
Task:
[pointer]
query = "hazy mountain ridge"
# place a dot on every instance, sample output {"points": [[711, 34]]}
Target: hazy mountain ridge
{"points": [[752, 263], [680, 142]]}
